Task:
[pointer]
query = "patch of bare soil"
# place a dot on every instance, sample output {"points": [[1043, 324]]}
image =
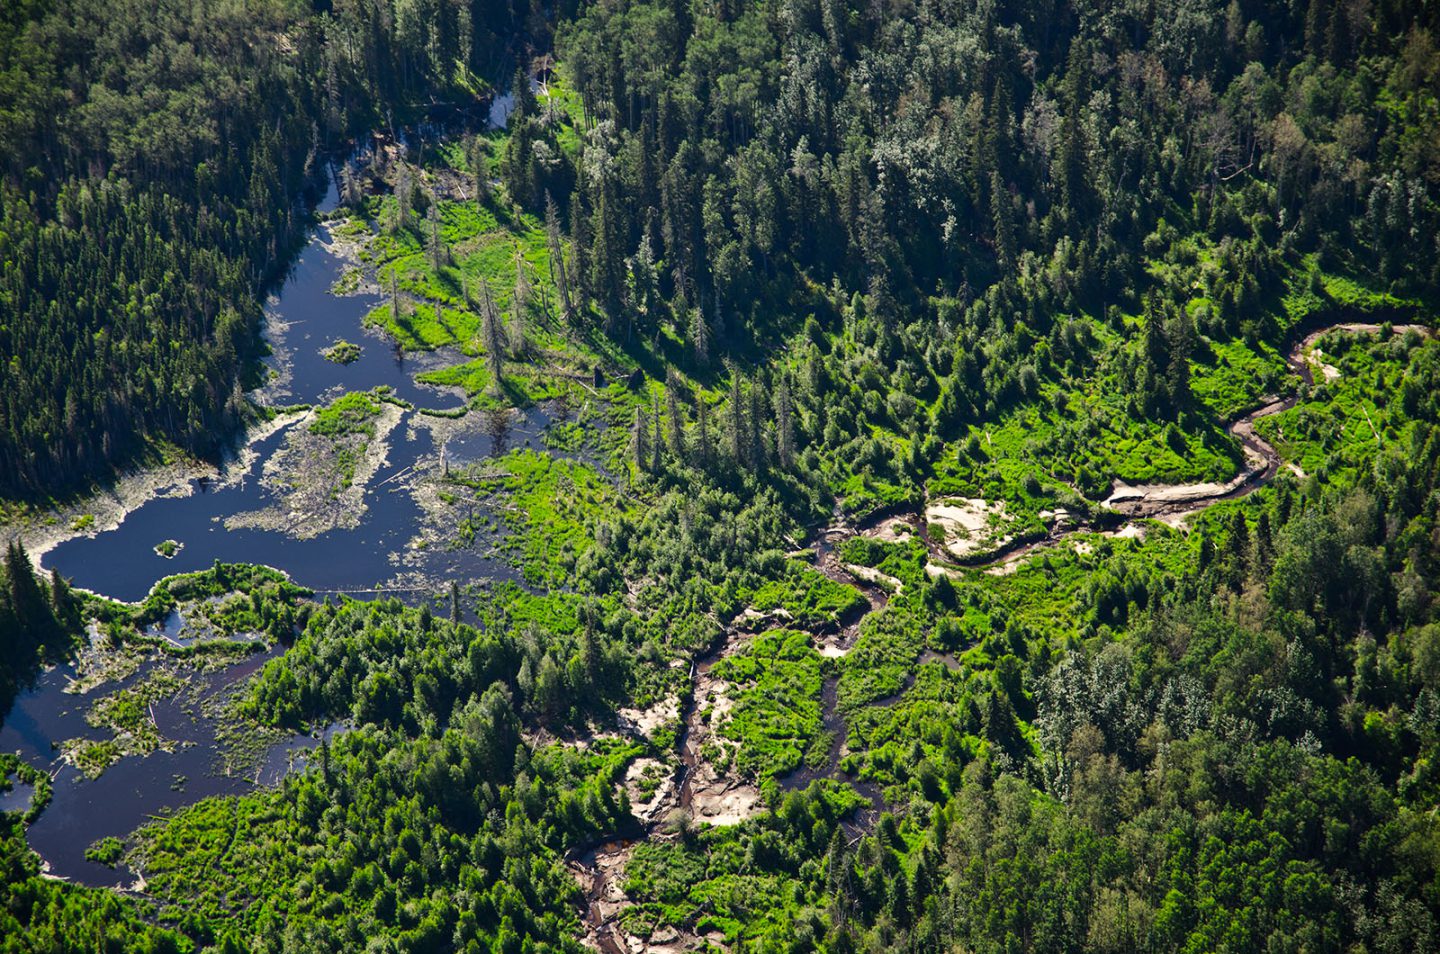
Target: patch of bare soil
{"points": [[708, 794], [874, 577], [893, 530], [972, 526]]}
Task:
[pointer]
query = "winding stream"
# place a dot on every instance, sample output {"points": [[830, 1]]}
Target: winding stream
{"points": [[1173, 503], [600, 870]]}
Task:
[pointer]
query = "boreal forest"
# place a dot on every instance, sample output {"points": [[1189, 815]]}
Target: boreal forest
{"points": [[720, 475]]}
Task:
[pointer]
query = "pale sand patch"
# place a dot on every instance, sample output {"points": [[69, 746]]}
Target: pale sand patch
{"points": [[1007, 566], [752, 619], [871, 575], [1179, 519], [644, 722], [1329, 371], [1167, 493], [895, 530], [1131, 531], [713, 797], [972, 525], [648, 810]]}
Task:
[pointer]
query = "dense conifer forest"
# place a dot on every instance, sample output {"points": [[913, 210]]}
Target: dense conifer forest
{"points": [[990, 496], [154, 164]]}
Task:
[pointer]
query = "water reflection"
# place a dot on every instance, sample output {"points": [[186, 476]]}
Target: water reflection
{"points": [[136, 789]]}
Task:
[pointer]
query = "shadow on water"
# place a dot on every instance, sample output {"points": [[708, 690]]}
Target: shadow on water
{"points": [[122, 562], [17, 799], [136, 789]]}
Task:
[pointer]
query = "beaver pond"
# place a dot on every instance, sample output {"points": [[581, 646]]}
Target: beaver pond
{"points": [[376, 547]]}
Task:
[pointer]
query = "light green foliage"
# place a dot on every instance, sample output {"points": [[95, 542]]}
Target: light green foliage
{"points": [[549, 505], [808, 596], [1366, 411], [342, 352], [353, 413], [106, 851], [775, 716]]}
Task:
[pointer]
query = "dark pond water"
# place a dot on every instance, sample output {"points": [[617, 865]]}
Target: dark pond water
{"points": [[17, 798], [122, 563], [305, 319], [372, 560], [134, 790]]}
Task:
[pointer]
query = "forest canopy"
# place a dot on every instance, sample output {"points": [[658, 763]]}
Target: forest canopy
{"points": [[877, 333]]}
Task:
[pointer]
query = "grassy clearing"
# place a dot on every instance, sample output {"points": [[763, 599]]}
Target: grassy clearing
{"points": [[810, 597], [1343, 423], [549, 507], [107, 851], [342, 352], [1235, 376], [353, 413], [775, 718]]}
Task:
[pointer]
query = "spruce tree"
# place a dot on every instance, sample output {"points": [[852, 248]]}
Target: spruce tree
{"points": [[28, 603], [479, 171], [519, 304], [700, 338], [736, 431], [1180, 334], [558, 276], [1239, 547], [580, 244], [640, 441], [493, 334], [435, 245], [1004, 222], [675, 420], [755, 436], [702, 434], [784, 426]]}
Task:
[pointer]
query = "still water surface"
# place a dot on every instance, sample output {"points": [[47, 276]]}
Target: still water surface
{"points": [[303, 319]]}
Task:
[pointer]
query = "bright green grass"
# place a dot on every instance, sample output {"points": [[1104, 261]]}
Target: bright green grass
{"points": [[354, 413], [1237, 377], [1091, 442], [1344, 422], [810, 597], [775, 720], [550, 507]]}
